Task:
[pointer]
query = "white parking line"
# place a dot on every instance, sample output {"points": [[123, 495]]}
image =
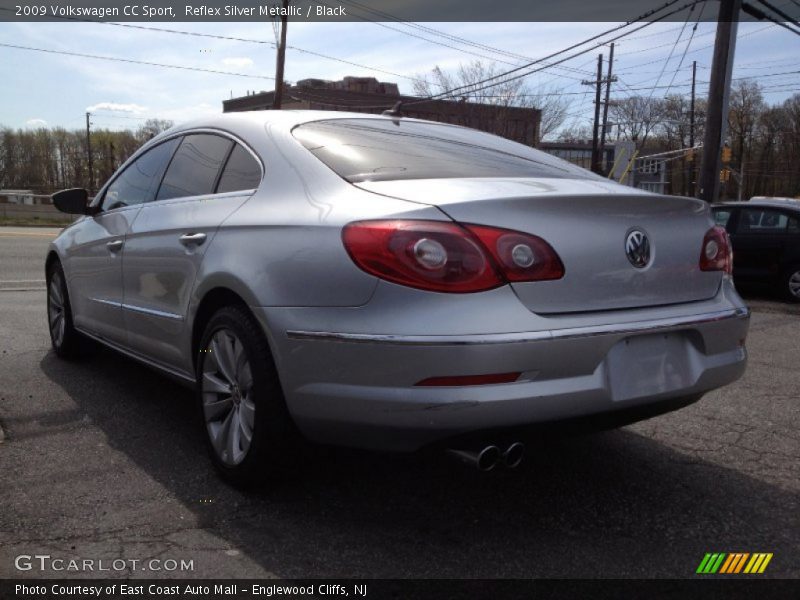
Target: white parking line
{"points": [[22, 285], [27, 234], [41, 281]]}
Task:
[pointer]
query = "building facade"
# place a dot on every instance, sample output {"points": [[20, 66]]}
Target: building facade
{"points": [[368, 95]]}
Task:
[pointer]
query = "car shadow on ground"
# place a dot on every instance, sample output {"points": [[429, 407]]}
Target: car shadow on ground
{"points": [[606, 505]]}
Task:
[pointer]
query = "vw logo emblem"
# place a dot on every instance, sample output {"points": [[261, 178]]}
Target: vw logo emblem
{"points": [[637, 248]]}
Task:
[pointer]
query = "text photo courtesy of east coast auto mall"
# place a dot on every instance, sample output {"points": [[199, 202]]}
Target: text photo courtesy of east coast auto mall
{"points": [[400, 299]]}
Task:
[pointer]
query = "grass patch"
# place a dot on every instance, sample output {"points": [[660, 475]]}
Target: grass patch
{"points": [[31, 222]]}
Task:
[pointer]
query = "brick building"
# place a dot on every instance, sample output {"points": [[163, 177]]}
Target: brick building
{"points": [[368, 95]]}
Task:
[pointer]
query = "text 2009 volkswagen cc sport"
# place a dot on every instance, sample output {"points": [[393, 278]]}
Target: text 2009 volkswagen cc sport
{"points": [[389, 283]]}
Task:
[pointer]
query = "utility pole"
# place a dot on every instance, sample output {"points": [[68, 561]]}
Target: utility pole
{"points": [[609, 80], [718, 93], [89, 153], [277, 98], [692, 169], [598, 83]]}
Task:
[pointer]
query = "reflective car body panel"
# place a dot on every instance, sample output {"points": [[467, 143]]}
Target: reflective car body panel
{"points": [[587, 223], [765, 236], [95, 269], [350, 348], [160, 269]]}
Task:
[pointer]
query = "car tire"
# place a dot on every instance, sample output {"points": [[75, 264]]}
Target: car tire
{"points": [[790, 284], [250, 435], [67, 342]]}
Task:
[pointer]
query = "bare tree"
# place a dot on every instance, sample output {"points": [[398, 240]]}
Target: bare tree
{"points": [[575, 133], [746, 105], [151, 128], [466, 81], [554, 107], [469, 78], [637, 117]]}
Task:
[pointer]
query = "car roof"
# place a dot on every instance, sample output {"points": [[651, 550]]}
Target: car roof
{"points": [[763, 203], [286, 118]]}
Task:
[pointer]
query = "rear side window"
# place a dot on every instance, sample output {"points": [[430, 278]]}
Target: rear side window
{"points": [[138, 182], [721, 217], [242, 172], [195, 166], [389, 149], [755, 220]]}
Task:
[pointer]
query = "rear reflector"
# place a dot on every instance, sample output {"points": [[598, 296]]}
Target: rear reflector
{"points": [[461, 380]]}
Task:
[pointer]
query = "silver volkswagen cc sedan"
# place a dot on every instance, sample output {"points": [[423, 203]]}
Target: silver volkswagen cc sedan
{"points": [[388, 283]]}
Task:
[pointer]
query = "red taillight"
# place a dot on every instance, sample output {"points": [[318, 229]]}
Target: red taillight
{"points": [[430, 255], [459, 380], [521, 256], [446, 257], [716, 253]]}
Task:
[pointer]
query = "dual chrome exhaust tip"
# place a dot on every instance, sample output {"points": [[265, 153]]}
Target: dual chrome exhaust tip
{"points": [[486, 459]]}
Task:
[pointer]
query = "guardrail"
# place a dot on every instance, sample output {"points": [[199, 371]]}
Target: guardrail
{"points": [[34, 212]]}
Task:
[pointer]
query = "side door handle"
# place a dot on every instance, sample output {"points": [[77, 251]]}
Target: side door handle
{"points": [[115, 246], [192, 239]]}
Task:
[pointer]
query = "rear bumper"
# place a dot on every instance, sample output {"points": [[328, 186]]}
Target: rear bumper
{"points": [[357, 389]]}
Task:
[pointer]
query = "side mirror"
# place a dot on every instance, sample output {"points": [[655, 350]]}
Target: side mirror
{"points": [[73, 202]]}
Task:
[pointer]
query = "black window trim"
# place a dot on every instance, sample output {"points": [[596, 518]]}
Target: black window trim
{"points": [[101, 195], [223, 167], [780, 210], [220, 133], [181, 134]]}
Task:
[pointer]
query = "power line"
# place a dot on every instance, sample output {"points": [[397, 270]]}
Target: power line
{"points": [[572, 47], [408, 33], [457, 39], [700, 49], [577, 93], [769, 75], [779, 12], [238, 39], [665, 45], [655, 34], [446, 45], [672, 50], [138, 62], [435, 32], [761, 15], [689, 43], [263, 42], [463, 88]]}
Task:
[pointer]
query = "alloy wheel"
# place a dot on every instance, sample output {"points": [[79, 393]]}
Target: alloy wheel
{"points": [[56, 310], [794, 284], [227, 392]]}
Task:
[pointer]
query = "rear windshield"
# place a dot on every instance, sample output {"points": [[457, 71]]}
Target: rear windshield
{"points": [[388, 149]]}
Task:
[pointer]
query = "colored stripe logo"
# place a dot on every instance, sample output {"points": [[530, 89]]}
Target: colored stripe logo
{"points": [[734, 562]]}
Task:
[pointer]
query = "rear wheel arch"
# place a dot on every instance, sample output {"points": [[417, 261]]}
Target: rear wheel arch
{"points": [[239, 382], [789, 275], [212, 301], [52, 258]]}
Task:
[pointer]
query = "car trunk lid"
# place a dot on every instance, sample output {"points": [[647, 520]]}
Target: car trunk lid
{"points": [[587, 222]]}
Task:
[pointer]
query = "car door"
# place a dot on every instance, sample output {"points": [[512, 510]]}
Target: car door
{"points": [[209, 177], [97, 245], [758, 243]]}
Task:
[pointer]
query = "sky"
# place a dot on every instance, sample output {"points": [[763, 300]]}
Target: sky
{"points": [[47, 89]]}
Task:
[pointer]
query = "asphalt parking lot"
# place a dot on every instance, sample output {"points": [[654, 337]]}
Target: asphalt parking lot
{"points": [[103, 459]]}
